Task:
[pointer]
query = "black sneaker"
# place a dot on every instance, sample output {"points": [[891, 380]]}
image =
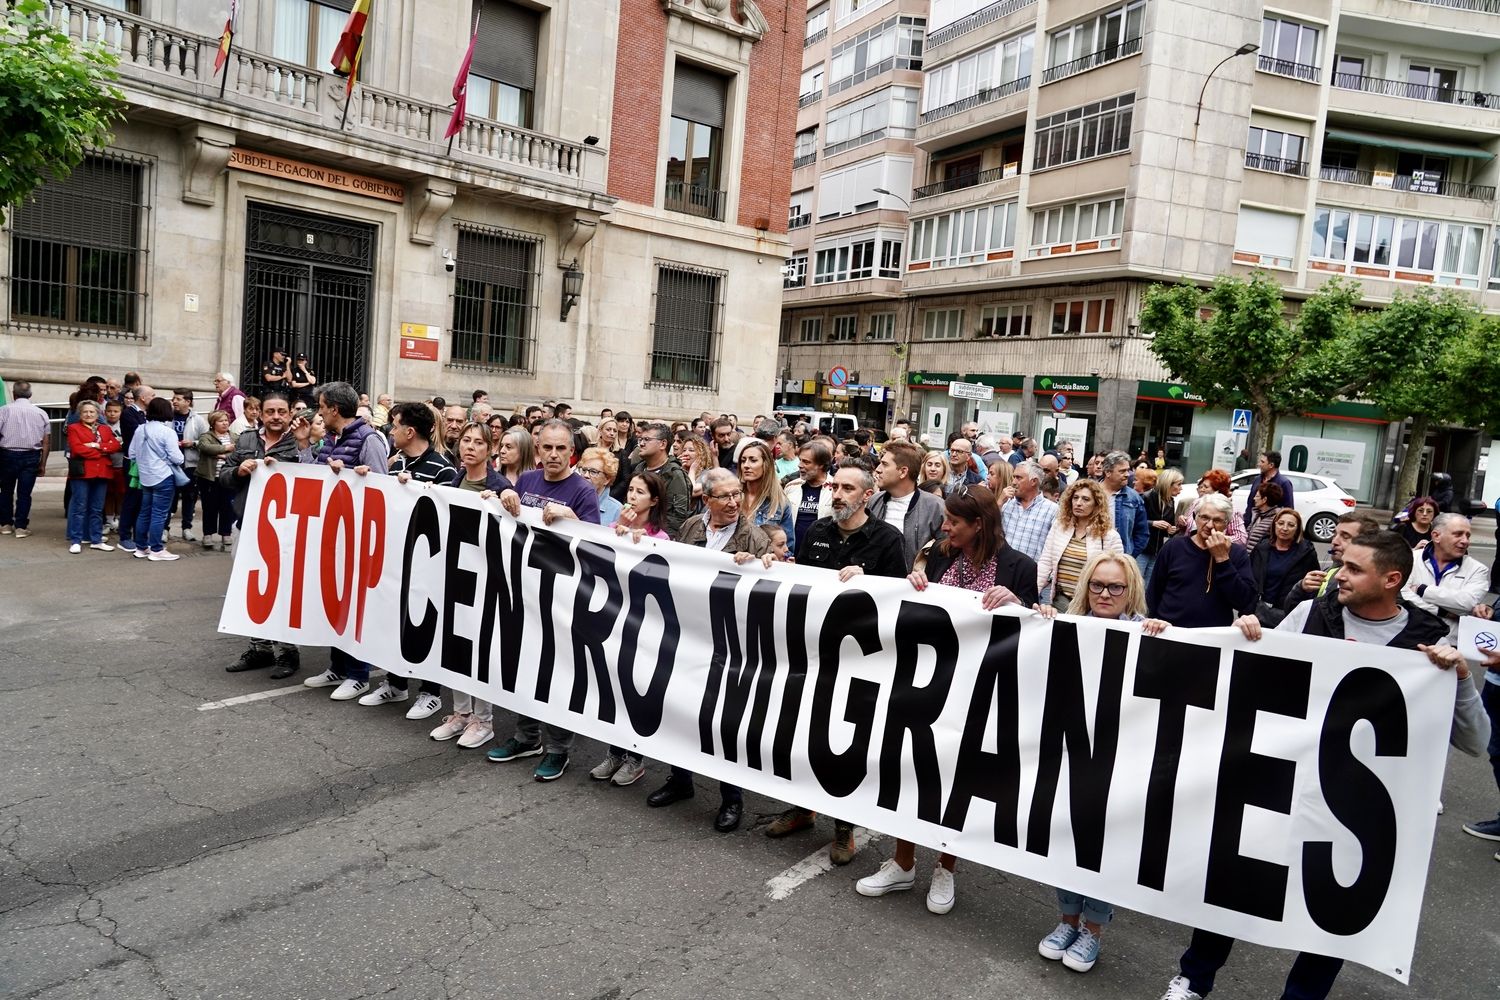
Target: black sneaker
{"points": [[288, 662], [253, 658]]}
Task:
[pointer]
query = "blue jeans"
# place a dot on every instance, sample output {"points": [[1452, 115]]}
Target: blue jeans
{"points": [[18, 470], [156, 505], [1072, 904], [1311, 978], [1489, 694], [86, 511], [1145, 562], [347, 666], [130, 512]]}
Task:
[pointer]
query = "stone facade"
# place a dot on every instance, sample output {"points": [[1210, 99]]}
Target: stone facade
{"points": [[603, 70]]}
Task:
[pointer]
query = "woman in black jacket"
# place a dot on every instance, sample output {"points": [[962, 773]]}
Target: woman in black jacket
{"points": [[1281, 559], [972, 555]]}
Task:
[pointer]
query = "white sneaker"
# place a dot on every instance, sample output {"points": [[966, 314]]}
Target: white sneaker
{"points": [[427, 705], [1177, 989], [349, 690], [189, 535], [450, 727], [141, 553], [75, 548], [164, 556], [477, 735], [102, 546], [891, 877], [606, 768], [384, 695], [940, 894], [326, 679], [23, 532], [6, 529]]}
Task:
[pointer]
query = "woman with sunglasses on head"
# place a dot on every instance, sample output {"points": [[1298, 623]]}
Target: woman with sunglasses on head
{"points": [[1111, 587]]}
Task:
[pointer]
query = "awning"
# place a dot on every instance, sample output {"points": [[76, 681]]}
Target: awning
{"points": [[1408, 143]]}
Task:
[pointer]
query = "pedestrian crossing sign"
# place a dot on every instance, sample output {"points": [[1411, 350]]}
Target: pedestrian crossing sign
{"points": [[1241, 423]]}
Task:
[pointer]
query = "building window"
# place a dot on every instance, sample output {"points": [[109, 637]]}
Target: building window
{"points": [[689, 316], [988, 74], [1396, 247], [811, 89], [785, 335], [1495, 263], [888, 112], [502, 76], [799, 209], [810, 331], [882, 327], [852, 189], [817, 25], [844, 328], [1083, 316], [1279, 152], [494, 299], [847, 10], [77, 251], [942, 324], [1077, 228], [966, 236], [1012, 320], [805, 148], [306, 32], [1288, 48], [857, 257], [794, 275], [1098, 129], [1104, 38], [893, 44], [695, 143], [1265, 238]]}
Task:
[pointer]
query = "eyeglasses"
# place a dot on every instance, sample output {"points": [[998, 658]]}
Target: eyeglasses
{"points": [[592, 472], [1114, 589], [736, 495]]}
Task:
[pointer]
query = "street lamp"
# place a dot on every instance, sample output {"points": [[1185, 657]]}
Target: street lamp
{"points": [[1243, 50], [894, 195]]}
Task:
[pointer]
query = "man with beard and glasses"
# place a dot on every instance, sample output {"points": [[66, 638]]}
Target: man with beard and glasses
{"points": [[852, 543]]}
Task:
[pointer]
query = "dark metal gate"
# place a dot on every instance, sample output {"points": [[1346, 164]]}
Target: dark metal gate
{"points": [[308, 281]]}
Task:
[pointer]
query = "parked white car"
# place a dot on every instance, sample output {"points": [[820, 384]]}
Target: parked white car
{"points": [[1320, 500]]}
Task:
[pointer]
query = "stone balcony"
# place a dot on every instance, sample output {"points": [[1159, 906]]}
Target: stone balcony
{"points": [[168, 77]]}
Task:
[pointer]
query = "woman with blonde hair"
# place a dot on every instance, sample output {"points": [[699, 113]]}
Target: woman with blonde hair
{"points": [[1084, 528], [935, 470], [1110, 587], [695, 458], [1161, 506], [599, 466], [765, 500], [515, 453]]}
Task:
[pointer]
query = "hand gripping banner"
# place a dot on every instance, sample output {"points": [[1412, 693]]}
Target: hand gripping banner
{"points": [[1282, 791]]}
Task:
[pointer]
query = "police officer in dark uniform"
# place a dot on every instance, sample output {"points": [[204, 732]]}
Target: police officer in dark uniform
{"points": [[302, 380], [274, 372]]}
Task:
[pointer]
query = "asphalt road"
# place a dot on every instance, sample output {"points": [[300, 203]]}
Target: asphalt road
{"points": [[296, 848]]}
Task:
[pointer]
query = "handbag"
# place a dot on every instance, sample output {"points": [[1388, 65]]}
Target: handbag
{"points": [[76, 467], [179, 478]]}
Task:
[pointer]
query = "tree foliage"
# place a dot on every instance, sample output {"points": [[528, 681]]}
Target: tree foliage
{"points": [[1235, 345], [1472, 366], [57, 101]]}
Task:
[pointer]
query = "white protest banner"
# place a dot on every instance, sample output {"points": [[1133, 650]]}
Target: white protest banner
{"points": [[1280, 791], [1477, 636]]}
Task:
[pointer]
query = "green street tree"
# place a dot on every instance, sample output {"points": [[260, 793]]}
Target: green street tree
{"points": [[1401, 351], [56, 101], [1473, 367], [1235, 345]]}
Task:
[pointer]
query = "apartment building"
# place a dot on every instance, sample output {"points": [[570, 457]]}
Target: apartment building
{"points": [[1069, 153], [606, 227]]}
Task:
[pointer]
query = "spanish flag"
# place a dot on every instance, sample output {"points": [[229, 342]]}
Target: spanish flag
{"points": [[351, 46], [226, 40], [461, 91]]}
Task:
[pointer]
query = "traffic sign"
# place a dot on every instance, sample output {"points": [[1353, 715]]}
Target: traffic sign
{"points": [[838, 377], [971, 390], [1241, 422], [1059, 402]]}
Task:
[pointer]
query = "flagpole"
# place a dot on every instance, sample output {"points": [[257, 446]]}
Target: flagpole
{"points": [[228, 55]]}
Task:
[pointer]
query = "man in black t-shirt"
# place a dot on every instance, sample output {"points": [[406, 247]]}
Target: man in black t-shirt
{"points": [[853, 543]]}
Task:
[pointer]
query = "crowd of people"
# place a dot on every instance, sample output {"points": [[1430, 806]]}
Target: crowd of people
{"points": [[1115, 539]]}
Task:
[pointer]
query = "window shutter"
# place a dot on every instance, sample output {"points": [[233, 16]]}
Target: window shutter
{"points": [[508, 39], [94, 206], [343, 5], [698, 96]]}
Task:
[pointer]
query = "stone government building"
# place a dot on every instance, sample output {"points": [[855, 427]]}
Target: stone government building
{"points": [[618, 170]]}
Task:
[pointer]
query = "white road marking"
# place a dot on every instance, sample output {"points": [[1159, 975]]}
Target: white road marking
{"points": [[245, 699], [810, 867]]}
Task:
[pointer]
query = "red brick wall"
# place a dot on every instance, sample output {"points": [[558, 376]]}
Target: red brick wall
{"points": [[765, 183]]}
